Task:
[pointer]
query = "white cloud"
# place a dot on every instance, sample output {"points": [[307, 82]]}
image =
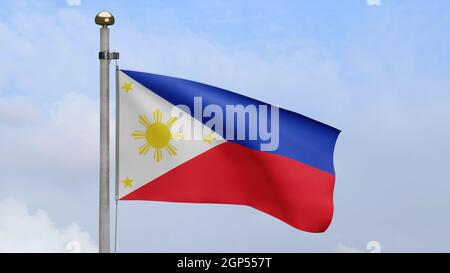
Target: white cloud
{"points": [[52, 61], [17, 110], [76, 116], [25, 231], [64, 137]]}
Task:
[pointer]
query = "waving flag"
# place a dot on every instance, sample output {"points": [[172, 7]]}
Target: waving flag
{"points": [[183, 141]]}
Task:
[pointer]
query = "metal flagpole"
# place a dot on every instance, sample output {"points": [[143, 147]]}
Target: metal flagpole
{"points": [[104, 19]]}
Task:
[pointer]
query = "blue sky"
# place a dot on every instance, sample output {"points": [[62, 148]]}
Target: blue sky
{"points": [[378, 73]]}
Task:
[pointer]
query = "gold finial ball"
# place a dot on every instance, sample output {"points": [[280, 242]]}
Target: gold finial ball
{"points": [[104, 18]]}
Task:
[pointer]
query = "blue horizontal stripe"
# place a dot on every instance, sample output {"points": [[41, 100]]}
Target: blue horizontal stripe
{"points": [[301, 138]]}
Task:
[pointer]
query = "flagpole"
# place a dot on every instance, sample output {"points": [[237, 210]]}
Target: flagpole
{"points": [[117, 156], [104, 19]]}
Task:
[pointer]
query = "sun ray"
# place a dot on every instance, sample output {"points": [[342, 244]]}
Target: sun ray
{"points": [[144, 148], [157, 155], [178, 136], [138, 134], [171, 121], [157, 116], [144, 120], [171, 149]]}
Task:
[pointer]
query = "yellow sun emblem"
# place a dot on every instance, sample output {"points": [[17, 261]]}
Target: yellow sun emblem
{"points": [[157, 135]]}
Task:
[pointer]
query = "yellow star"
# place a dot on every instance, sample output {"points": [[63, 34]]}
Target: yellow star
{"points": [[128, 182], [127, 87], [209, 138]]}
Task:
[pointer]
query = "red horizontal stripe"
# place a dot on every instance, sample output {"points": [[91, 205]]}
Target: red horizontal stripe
{"points": [[291, 191]]}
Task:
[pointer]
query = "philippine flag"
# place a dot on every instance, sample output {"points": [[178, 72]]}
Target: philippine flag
{"points": [[184, 141]]}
